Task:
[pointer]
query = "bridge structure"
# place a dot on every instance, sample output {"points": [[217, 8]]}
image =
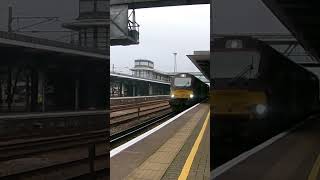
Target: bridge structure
{"points": [[124, 28], [137, 4]]}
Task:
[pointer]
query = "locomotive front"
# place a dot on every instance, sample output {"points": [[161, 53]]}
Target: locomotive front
{"points": [[237, 96], [182, 91]]}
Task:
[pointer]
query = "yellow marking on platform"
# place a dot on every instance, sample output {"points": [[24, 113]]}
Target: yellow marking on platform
{"points": [[155, 166], [315, 169], [187, 166]]}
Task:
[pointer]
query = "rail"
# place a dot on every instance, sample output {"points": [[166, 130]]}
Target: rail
{"points": [[27, 148], [135, 105], [127, 133], [22, 148], [51, 114], [139, 97], [137, 113], [50, 124], [116, 101]]}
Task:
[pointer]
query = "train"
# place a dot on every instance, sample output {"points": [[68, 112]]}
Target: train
{"points": [[187, 90], [255, 90]]}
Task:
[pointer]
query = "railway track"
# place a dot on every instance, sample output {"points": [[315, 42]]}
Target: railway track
{"points": [[53, 147], [91, 164], [138, 112], [78, 168], [75, 169], [135, 105], [26, 148], [126, 134]]}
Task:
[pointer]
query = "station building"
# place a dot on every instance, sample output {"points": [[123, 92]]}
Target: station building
{"points": [[91, 25], [144, 81], [42, 75], [144, 68]]}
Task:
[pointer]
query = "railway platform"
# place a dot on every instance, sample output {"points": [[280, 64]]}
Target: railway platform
{"points": [[291, 155], [177, 148]]}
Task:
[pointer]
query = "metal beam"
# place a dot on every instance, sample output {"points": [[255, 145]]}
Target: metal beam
{"points": [[280, 10], [310, 64], [136, 4]]}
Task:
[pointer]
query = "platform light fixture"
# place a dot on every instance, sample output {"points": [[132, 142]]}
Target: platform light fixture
{"points": [[261, 109], [175, 61], [234, 44]]}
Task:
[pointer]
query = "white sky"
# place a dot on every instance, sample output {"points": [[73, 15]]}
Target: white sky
{"points": [[163, 31]]}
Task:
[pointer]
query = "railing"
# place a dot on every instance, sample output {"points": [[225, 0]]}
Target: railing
{"points": [[133, 27]]}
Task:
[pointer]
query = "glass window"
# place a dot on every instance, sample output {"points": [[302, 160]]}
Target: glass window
{"points": [[144, 63], [234, 44], [102, 44], [90, 42], [230, 64], [182, 82]]}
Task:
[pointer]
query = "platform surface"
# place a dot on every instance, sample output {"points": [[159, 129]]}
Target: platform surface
{"points": [[167, 152], [296, 156]]}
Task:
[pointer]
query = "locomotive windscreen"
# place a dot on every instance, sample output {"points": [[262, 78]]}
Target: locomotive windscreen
{"points": [[182, 82], [230, 64]]}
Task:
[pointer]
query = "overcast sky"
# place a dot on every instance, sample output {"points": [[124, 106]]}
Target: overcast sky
{"points": [[163, 31], [65, 10]]}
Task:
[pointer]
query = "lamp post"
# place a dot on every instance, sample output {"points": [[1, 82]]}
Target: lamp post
{"points": [[175, 61], [10, 18]]}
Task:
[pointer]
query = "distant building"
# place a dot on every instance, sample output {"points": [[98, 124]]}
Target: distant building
{"points": [[92, 24], [144, 68]]}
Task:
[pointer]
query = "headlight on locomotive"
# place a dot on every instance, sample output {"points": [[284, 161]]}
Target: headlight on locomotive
{"points": [[191, 96], [172, 95], [260, 109]]}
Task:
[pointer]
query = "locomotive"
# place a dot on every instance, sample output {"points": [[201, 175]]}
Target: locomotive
{"points": [[255, 90], [187, 90]]}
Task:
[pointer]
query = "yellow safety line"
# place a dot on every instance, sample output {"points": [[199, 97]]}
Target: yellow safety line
{"points": [[315, 169], [187, 166]]}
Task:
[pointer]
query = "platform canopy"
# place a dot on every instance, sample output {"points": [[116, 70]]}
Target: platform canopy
{"points": [[201, 59], [20, 45], [302, 19]]}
